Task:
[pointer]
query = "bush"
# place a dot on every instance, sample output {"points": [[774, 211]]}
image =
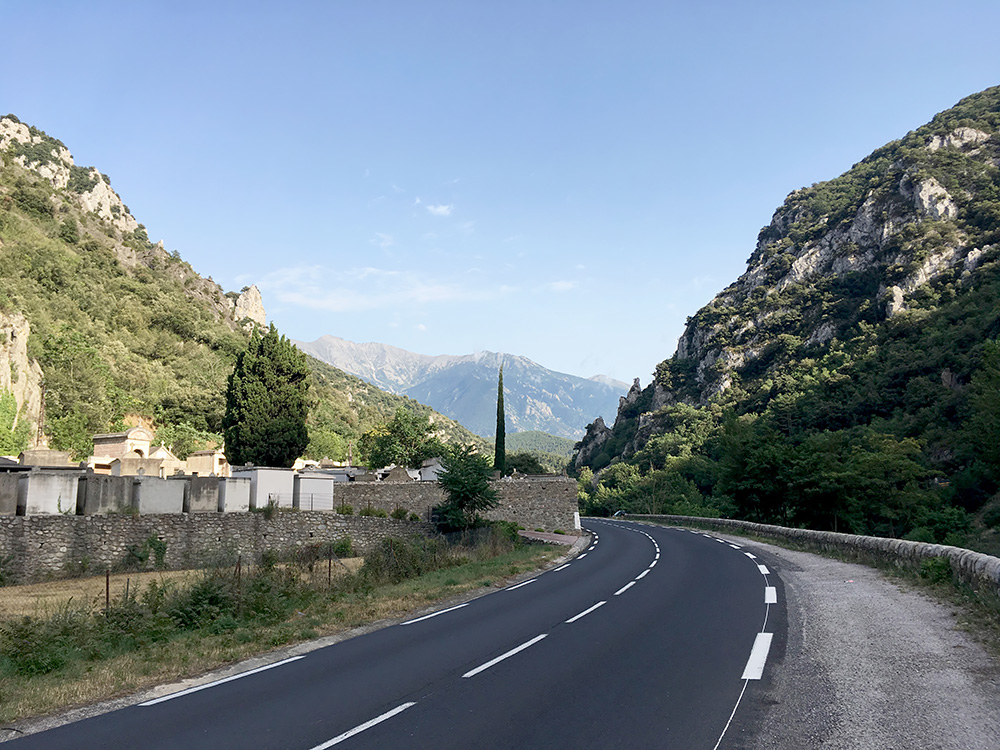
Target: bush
{"points": [[398, 514], [343, 547], [395, 559], [936, 569], [374, 512], [345, 509]]}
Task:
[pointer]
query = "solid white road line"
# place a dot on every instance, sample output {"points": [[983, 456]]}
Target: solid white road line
{"points": [[763, 569], [362, 727], [208, 685], [525, 583], [770, 595], [585, 612], [500, 658], [625, 588], [758, 657], [434, 614]]}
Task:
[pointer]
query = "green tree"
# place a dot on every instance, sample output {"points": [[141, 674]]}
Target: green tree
{"points": [[466, 484], [406, 440], [523, 463], [500, 446], [14, 434], [266, 403]]}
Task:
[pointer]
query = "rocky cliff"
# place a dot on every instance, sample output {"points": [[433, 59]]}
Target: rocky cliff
{"points": [[905, 232]]}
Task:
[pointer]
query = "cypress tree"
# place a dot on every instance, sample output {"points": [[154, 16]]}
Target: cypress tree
{"points": [[500, 446], [266, 403]]}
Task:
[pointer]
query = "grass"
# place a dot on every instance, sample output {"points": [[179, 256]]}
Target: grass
{"points": [[320, 611]]}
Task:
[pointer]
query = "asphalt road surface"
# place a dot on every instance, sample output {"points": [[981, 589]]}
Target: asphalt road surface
{"points": [[651, 638]]}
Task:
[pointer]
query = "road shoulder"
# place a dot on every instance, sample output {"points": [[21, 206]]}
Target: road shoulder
{"points": [[871, 662]]}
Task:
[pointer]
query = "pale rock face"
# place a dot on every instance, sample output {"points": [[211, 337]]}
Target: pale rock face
{"points": [[19, 374], [972, 258], [897, 302], [250, 305], [101, 199], [958, 138], [822, 334], [931, 199]]}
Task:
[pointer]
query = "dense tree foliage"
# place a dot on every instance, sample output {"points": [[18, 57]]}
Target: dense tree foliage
{"points": [[267, 403], [466, 484], [406, 440]]}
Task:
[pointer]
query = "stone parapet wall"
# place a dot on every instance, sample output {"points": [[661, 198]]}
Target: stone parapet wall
{"points": [[35, 548], [973, 568]]}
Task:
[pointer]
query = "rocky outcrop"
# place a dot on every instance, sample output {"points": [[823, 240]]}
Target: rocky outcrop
{"points": [[51, 160], [250, 306], [19, 374], [593, 441]]}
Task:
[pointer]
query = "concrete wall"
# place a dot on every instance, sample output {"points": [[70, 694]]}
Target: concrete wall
{"points": [[269, 485], [314, 492], [234, 495], [973, 568], [100, 493], [42, 547], [201, 494], [153, 496], [8, 493], [47, 492]]}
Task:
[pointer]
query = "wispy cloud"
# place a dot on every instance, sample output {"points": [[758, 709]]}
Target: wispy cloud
{"points": [[562, 286], [383, 240], [440, 210], [366, 288]]}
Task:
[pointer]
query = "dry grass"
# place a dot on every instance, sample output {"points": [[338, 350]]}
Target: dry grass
{"points": [[42, 599], [191, 654]]}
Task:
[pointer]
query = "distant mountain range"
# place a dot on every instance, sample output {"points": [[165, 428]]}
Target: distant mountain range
{"points": [[464, 387]]}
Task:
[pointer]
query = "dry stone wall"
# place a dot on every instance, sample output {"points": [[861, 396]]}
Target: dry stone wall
{"points": [[973, 568], [35, 548]]}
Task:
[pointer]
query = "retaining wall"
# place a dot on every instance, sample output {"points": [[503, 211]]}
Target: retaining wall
{"points": [[973, 568], [34, 548]]}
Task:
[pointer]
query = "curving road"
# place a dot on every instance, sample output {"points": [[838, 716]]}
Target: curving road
{"points": [[651, 638]]}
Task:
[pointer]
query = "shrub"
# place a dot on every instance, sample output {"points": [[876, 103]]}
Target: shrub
{"points": [[398, 514], [345, 509], [374, 512], [936, 569], [343, 547]]}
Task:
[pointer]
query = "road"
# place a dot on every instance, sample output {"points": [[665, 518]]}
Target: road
{"points": [[651, 638]]}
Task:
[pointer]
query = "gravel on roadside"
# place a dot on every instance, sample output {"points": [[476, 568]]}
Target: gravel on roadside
{"points": [[871, 663]]}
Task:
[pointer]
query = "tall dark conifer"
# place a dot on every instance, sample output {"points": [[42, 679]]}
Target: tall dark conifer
{"points": [[500, 447], [266, 403]]}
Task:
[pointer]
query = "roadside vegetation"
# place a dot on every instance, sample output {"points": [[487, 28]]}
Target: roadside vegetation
{"points": [[167, 629]]}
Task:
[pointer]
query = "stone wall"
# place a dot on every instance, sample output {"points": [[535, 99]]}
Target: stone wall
{"points": [[547, 503], [973, 568], [37, 548]]}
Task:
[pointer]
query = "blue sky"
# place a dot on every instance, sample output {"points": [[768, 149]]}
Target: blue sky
{"points": [[563, 180]]}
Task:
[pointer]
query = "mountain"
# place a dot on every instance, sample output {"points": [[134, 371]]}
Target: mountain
{"points": [[464, 387], [100, 328], [863, 330]]}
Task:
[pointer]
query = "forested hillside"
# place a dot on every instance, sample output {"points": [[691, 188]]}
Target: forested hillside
{"points": [[850, 379], [122, 330]]}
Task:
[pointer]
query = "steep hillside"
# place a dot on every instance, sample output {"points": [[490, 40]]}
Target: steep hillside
{"points": [[100, 327], [865, 316], [464, 387]]}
